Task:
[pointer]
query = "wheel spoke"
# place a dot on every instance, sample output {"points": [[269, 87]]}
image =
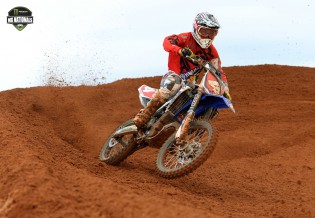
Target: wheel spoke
{"points": [[174, 164], [170, 159], [195, 134]]}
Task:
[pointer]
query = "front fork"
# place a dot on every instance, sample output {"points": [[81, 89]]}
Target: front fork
{"points": [[183, 129]]}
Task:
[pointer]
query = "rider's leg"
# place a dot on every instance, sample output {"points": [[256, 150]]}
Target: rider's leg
{"points": [[145, 114], [170, 84]]}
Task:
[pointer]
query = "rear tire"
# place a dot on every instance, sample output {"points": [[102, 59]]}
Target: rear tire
{"points": [[175, 161], [116, 150]]}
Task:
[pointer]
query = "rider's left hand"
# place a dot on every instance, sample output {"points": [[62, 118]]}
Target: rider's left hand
{"points": [[226, 91], [227, 95]]}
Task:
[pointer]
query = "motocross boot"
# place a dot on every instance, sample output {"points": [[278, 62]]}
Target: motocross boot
{"points": [[144, 115]]}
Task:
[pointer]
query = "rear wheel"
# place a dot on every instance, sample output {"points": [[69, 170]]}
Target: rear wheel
{"points": [[174, 161], [116, 150]]}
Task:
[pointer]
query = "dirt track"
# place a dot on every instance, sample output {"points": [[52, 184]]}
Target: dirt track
{"points": [[263, 166]]}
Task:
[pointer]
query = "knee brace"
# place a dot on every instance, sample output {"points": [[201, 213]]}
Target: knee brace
{"points": [[170, 84]]}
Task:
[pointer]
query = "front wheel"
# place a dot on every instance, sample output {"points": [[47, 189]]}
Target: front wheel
{"points": [[174, 161], [116, 150]]}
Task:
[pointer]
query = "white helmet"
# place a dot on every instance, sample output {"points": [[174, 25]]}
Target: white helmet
{"points": [[205, 28]]}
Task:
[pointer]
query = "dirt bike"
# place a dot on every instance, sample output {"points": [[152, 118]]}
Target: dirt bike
{"points": [[181, 127]]}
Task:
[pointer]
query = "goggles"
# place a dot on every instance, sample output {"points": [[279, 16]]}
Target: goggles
{"points": [[207, 32]]}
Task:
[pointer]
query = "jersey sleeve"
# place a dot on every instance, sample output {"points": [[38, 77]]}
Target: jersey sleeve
{"points": [[173, 43]]}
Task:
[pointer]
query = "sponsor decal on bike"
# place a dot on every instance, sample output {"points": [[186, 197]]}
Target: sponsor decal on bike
{"points": [[20, 17]]}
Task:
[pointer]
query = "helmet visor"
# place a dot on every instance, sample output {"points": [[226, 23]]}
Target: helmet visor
{"points": [[207, 33]]}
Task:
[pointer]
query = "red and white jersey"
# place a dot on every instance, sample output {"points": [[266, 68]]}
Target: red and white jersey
{"points": [[178, 64]]}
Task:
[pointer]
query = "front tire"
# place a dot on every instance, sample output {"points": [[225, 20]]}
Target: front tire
{"points": [[175, 161], [116, 150]]}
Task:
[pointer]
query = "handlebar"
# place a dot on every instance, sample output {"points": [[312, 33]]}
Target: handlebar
{"points": [[207, 66]]}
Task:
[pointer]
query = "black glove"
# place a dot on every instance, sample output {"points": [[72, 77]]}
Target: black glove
{"points": [[185, 52]]}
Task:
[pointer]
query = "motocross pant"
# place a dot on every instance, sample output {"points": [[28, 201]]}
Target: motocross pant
{"points": [[169, 86]]}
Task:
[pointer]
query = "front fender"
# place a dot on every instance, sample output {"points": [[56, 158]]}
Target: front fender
{"points": [[210, 101], [216, 101]]}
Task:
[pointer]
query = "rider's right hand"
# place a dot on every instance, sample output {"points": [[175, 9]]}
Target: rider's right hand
{"points": [[186, 52]]}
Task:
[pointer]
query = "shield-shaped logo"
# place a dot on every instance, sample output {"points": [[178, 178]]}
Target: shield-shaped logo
{"points": [[20, 17]]}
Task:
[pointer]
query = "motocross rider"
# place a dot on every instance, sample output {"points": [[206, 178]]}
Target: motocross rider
{"points": [[181, 46]]}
